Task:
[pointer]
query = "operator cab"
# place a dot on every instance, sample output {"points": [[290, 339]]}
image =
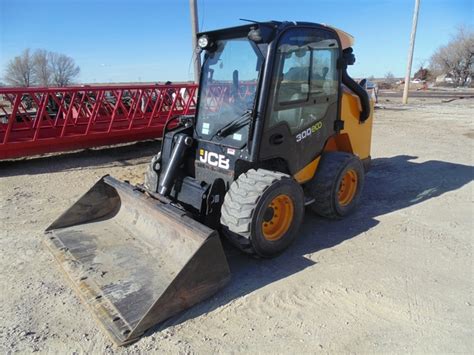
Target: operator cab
{"points": [[260, 117]]}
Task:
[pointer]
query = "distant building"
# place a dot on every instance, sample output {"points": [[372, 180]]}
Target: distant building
{"points": [[444, 78]]}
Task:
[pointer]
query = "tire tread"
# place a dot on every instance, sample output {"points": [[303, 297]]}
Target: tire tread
{"points": [[240, 202], [322, 188]]}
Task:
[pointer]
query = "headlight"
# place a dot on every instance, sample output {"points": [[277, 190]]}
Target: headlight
{"points": [[203, 42]]}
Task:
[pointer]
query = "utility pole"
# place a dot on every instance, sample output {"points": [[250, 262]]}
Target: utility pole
{"points": [[410, 52], [194, 31]]}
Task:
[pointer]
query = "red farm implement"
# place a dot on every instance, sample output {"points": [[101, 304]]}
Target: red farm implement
{"points": [[40, 120]]}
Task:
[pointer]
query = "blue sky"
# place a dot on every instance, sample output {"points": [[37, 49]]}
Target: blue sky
{"points": [[145, 40]]}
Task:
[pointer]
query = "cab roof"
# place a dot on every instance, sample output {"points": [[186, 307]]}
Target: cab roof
{"points": [[346, 39]]}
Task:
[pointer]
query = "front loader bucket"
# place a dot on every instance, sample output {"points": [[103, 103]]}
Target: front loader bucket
{"points": [[134, 260]]}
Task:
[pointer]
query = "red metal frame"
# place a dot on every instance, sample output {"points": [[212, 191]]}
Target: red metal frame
{"points": [[219, 93], [40, 120]]}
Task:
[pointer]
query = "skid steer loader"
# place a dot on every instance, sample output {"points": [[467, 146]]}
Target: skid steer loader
{"points": [[279, 125]]}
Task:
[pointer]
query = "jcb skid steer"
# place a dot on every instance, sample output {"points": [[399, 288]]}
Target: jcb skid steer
{"points": [[279, 125]]}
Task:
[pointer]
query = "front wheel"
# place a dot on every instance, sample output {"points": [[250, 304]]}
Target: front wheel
{"points": [[262, 212]]}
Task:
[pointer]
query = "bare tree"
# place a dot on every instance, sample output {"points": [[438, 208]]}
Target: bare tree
{"points": [[388, 82], [63, 69], [390, 78], [456, 58], [19, 71], [422, 74], [41, 67]]}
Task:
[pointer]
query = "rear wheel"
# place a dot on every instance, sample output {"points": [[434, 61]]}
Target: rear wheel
{"points": [[262, 212], [337, 184], [151, 174]]}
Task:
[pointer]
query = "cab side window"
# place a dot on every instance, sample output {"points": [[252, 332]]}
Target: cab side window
{"points": [[294, 78], [324, 78], [306, 79]]}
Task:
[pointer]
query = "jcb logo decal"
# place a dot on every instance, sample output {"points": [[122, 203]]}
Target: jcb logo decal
{"points": [[213, 159]]}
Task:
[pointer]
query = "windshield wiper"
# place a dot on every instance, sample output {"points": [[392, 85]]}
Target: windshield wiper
{"points": [[235, 125]]}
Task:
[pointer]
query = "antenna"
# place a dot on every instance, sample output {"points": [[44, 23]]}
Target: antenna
{"points": [[246, 20], [194, 30]]}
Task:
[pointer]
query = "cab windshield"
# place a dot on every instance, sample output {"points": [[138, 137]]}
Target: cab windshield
{"points": [[227, 92]]}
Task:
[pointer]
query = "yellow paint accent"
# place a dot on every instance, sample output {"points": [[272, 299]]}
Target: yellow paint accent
{"points": [[348, 187], [331, 145], [283, 212], [201, 151], [358, 135], [346, 39], [307, 172], [339, 143]]}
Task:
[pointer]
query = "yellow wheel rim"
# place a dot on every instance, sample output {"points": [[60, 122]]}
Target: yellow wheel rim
{"points": [[277, 218], [348, 187]]}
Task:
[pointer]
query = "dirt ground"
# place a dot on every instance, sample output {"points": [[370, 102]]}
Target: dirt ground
{"points": [[396, 276]]}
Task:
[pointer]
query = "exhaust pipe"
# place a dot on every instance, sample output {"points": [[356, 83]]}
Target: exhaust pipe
{"points": [[349, 59]]}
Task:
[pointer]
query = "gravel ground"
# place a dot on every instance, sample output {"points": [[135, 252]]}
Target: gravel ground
{"points": [[396, 276]]}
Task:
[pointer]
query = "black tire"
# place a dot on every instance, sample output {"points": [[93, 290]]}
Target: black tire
{"points": [[326, 184], [151, 174], [246, 209]]}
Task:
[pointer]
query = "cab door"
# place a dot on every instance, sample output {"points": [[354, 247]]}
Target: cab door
{"points": [[303, 103]]}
